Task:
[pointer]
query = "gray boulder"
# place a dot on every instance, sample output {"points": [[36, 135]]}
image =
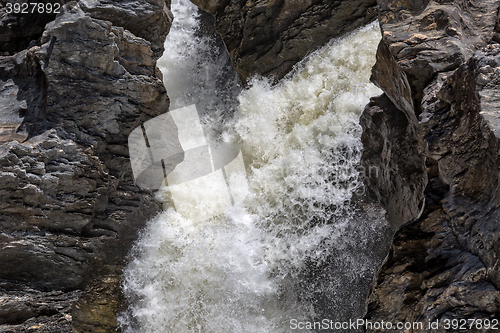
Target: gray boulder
{"points": [[148, 19]]}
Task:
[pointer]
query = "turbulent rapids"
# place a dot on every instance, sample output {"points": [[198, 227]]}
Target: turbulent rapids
{"points": [[257, 266]]}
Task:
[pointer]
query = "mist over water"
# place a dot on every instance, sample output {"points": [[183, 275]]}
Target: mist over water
{"points": [[288, 251]]}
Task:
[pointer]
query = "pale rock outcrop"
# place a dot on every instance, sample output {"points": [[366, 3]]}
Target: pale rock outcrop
{"points": [[428, 37]]}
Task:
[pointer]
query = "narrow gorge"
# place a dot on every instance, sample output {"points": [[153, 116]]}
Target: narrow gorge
{"points": [[368, 132]]}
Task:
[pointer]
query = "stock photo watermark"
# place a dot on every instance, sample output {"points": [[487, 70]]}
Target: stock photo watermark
{"points": [[353, 176], [365, 324], [171, 153]]}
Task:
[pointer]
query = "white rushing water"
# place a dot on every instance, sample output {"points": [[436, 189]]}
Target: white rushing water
{"points": [[246, 271]]}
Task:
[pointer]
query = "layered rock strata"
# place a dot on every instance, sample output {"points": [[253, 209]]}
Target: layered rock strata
{"points": [[69, 207], [439, 67], [270, 37]]}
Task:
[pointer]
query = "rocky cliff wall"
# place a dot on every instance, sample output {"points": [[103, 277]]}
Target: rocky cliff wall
{"points": [[72, 88], [434, 134], [270, 37]]}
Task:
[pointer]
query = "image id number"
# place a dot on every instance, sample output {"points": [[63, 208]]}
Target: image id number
{"points": [[33, 7], [463, 324]]}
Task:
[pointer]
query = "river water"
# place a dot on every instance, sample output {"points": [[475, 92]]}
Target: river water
{"points": [[299, 248]]}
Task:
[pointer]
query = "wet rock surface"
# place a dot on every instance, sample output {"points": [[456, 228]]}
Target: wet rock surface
{"points": [[270, 37], [391, 149], [31, 310], [430, 276], [69, 207], [23, 87], [96, 66], [443, 264]]}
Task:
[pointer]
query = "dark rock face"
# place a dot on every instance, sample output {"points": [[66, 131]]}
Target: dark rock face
{"points": [[96, 66], [69, 207], [387, 75], [393, 149], [36, 311], [38, 178], [465, 146], [270, 37], [419, 40], [430, 276], [23, 89], [19, 30], [442, 265]]}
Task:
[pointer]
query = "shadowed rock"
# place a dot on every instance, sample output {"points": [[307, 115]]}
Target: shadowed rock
{"points": [[22, 30], [23, 89], [429, 276], [270, 37], [459, 129], [419, 40], [390, 143]]}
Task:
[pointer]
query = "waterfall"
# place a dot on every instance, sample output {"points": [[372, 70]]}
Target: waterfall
{"points": [[266, 261]]}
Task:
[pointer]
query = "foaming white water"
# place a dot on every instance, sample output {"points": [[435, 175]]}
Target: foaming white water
{"points": [[242, 272], [304, 133], [197, 69]]}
